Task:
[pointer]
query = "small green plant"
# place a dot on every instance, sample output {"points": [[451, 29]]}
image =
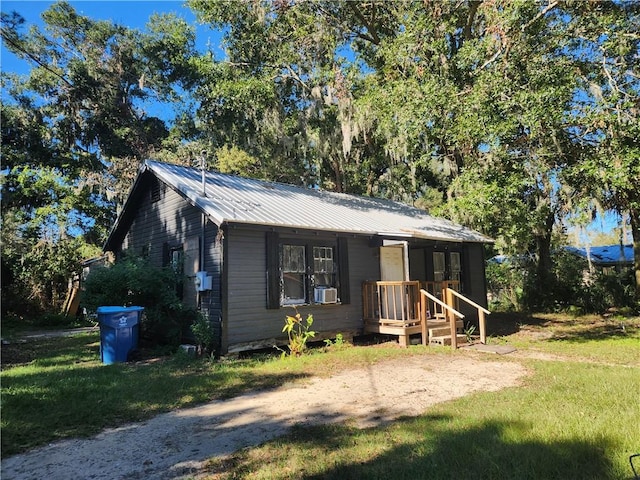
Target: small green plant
{"points": [[203, 333], [339, 342], [298, 332], [469, 331]]}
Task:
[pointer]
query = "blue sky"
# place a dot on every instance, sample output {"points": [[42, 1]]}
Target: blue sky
{"points": [[130, 13]]}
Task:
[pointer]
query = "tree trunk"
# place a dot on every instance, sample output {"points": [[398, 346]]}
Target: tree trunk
{"points": [[543, 282], [543, 268]]}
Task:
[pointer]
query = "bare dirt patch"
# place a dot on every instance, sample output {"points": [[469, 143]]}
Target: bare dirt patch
{"points": [[178, 443]]}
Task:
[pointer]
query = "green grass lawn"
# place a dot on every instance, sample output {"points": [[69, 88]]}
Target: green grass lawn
{"points": [[57, 388], [576, 415], [544, 430]]}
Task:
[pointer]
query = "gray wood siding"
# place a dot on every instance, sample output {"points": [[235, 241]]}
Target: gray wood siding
{"points": [[476, 276], [171, 221], [211, 301], [247, 317]]}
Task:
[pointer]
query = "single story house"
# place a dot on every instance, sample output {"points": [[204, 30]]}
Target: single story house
{"points": [[252, 249]]}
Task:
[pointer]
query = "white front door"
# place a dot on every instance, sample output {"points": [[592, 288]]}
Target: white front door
{"points": [[393, 268]]}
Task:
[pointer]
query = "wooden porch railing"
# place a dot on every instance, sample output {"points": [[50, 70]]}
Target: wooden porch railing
{"points": [[481, 313], [450, 314], [404, 308], [437, 289], [392, 308]]}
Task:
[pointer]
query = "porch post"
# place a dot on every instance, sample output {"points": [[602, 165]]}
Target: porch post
{"points": [[452, 319], [423, 317], [483, 327]]}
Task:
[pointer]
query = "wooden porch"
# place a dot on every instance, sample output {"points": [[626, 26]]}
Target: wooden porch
{"points": [[405, 308]]}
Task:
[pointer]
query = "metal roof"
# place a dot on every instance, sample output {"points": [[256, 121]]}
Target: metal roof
{"points": [[606, 255], [234, 199]]}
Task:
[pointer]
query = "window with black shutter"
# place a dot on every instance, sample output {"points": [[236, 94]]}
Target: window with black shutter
{"points": [[306, 272]]}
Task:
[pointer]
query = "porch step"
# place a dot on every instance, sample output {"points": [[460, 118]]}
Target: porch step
{"points": [[439, 332], [442, 328], [446, 339]]}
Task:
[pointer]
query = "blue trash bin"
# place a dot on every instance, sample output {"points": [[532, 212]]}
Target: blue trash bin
{"points": [[118, 332]]}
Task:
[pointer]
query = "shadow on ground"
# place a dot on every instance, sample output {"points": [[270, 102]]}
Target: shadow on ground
{"points": [[430, 450]]}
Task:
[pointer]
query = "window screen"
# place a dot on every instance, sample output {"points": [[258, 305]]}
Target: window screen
{"points": [[293, 274]]}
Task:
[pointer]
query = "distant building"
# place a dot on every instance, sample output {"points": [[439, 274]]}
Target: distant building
{"points": [[606, 259]]}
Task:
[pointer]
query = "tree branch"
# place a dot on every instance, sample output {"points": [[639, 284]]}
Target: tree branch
{"points": [[35, 59], [491, 60], [473, 9], [292, 73], [373, 36], [542, 13], [612, 82]]}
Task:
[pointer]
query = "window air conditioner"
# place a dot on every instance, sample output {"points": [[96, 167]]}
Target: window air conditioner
{"points": [[326, 295]]}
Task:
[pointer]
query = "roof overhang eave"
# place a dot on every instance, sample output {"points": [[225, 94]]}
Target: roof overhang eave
{"points": [[440, 238], [390, 233]]}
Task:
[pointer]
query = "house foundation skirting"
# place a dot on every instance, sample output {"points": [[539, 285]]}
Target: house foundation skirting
{"points": [[280, 342]]}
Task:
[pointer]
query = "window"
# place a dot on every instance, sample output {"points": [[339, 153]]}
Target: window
{"points": [[301, 274], [439, 268], [447, 266], [156, 190], [176, 259], [456, 267], [323, 267], [296, 270], [176, 262], [293, 275]]}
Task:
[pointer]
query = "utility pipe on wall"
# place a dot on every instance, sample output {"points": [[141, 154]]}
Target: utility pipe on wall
{"points": [[201, 263]]}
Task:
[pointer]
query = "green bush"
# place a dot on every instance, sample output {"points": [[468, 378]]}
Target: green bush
{"points": [[133, 281], [595, 293], [204, 334], [610, 290], [512, 285], [567, 285], [505, 284]]}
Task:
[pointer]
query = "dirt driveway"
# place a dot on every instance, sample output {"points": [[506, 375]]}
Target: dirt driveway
{"points": [[176, 444]]}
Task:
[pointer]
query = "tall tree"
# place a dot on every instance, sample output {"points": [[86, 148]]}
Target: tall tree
{"points": [[606, 51], [284, 92], [497, 106], [75, 129]]}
